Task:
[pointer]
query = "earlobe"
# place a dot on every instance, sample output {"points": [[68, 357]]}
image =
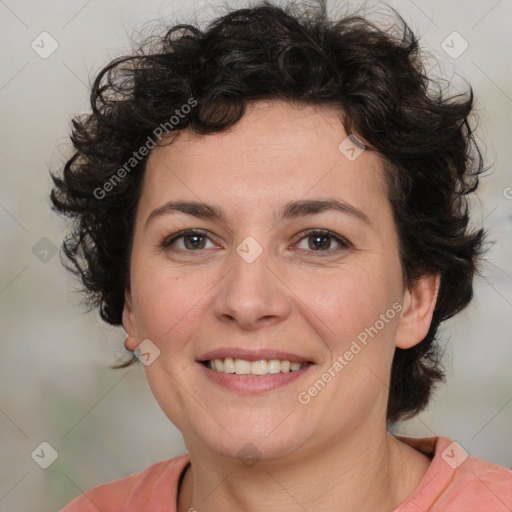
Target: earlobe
{"points": [[129, 324], [419, 303]]}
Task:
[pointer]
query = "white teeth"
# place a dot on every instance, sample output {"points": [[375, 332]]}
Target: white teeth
{"points": [[274, 366], [253, 368], [229, 365], [242, 367], [259, 367]]}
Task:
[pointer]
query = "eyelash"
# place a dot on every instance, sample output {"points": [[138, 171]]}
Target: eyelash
{"points": [[343, 242]]}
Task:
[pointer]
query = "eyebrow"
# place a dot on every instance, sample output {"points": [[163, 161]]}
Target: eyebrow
{"points": [[291, 210]]}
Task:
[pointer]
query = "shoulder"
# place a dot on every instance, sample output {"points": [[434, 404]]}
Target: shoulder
{"points": [[110, 496], [479, 485], [457, 481]]}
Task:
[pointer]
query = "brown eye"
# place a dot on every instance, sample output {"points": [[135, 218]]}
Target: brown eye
{"points": [[194, 241], [322, 241], [190, 240]]}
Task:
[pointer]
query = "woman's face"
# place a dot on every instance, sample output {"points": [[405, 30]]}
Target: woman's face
{"points": [[255, 282]]}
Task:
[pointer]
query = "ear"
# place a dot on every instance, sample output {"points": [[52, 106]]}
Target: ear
{"points": [[129, 323], [418, 303]]}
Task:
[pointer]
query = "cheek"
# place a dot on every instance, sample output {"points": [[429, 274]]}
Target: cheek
{"points": [[169, 300], [350, 299]]}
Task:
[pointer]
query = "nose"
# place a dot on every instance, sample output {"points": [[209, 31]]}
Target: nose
{"points": [[252, 294]]}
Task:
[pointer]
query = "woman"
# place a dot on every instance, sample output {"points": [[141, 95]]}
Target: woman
{"points": [[275, 211]]}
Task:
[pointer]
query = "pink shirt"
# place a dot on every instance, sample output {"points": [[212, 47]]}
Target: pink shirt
{"points": [[454, 482]]}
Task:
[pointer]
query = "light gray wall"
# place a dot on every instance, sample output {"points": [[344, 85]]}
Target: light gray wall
{"points": [[55, 382]]}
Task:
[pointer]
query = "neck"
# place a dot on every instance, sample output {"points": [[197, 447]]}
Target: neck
{"points": [[362, 472]]}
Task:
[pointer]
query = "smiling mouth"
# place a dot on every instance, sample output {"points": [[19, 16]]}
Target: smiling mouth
{"points": [[257, 368]]}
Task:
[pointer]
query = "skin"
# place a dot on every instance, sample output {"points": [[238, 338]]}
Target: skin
{"points": [[335, 452]]}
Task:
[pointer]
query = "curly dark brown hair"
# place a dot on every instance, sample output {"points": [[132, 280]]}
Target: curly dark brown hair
{"points": [[374, 76]]}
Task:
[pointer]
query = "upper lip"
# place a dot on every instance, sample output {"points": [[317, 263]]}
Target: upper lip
{"points": [[251, 355]]}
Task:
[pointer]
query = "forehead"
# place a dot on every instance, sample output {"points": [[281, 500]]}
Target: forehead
{"points": [[277, 153]]}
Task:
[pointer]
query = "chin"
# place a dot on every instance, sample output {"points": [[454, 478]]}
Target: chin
{"points": [[252, 449], [250, 441]]}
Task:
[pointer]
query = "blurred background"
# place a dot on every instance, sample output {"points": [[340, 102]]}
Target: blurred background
{"points": [[56, 385]]}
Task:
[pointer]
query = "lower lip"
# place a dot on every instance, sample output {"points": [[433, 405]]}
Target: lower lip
{"points": [[253, 385]]}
